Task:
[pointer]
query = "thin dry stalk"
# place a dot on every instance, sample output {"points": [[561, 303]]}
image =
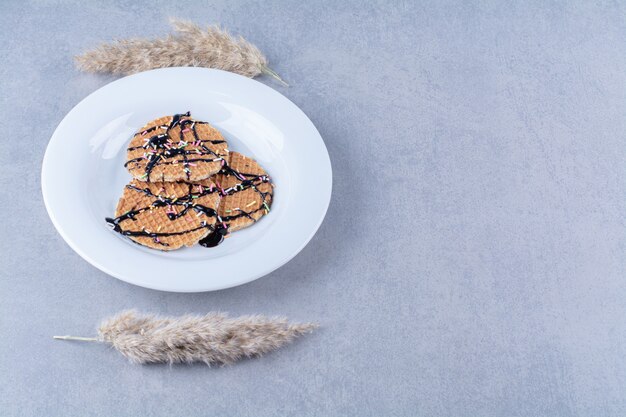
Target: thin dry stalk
{"points": [[190, 46], [213, 339]]}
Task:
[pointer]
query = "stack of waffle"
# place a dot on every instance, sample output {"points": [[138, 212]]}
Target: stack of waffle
{"points": [[187, 187]]}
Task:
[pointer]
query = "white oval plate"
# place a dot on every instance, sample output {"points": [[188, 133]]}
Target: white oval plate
{"points": [[83, 176]]}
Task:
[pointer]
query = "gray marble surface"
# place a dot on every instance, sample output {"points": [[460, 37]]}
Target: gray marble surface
{"points": [[472, 262]]}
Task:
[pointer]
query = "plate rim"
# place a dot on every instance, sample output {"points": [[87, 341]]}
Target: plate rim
{"points": [[45, 166]]}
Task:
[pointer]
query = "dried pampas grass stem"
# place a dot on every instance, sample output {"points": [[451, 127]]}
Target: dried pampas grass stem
{"points": [[213, 339], [190, 46]]}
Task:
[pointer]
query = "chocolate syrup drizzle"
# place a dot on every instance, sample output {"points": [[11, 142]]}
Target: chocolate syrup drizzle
{"points": [[162, 148], [220, 230], [186, 202], [247, 181]]}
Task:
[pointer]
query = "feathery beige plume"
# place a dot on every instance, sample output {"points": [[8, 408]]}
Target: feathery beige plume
{"points": [[213, 339], [190, 46]]}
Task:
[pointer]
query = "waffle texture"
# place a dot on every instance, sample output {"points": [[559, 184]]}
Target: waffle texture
{"points": [[246, 190], [176, 148], [167, 215]]}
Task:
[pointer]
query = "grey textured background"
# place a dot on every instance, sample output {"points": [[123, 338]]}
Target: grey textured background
{"points": [[472, 260]]}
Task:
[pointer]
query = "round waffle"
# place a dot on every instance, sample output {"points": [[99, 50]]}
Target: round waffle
{"points": [[166, 215], [246, 192], [175, 148]]}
